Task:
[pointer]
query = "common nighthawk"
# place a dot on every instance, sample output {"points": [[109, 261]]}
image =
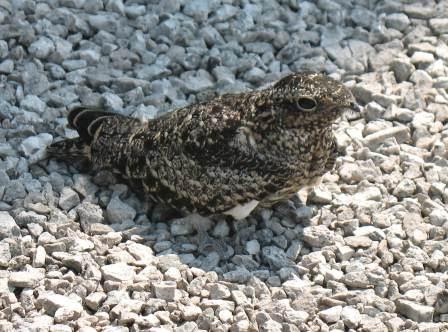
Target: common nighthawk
{"points": [[226, 155]]}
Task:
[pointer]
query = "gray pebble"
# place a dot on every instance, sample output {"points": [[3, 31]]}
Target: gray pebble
{"points": [[39, 257], [239, 275], [4, 49], [221, 229], [195, 82], [14, 190], [165, 290], [34, 146], [439, 25], [438, 217], [112, 102], [181, 227], [331, 315], [198, 9], [275, 257], [89, 214], [42, 48], [69, 198], [9, 227], [5, 254], [422, 58], [415, 311], [106, 22], [71, 65], [421, 79], [318, 236], [402, 68], [118, 211], [253, 247], [406, 188], [25, 279], [120, 272], [7, 66], [134, 11], [54, 303], [401, 134], [398, 21]]}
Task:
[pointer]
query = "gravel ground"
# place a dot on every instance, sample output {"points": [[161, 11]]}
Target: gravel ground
{"points": [[368, 250]]}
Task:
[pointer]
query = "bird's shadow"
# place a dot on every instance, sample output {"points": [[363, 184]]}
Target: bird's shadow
{"points": [[222, 245]]}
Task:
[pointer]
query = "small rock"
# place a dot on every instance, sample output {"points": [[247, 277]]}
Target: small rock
{"points": [[7, 66], [421, 79], [417, 10], [115, 6], [71, 65], [254, 75], [422, 58], [25, 279], [165, 290], [320, 196], [95, 299], [190, 312], [253, 247], [5, 254], [318, 236], [69, 198], [198, 9], [415, 311], [4, 49], [134, 11], [397, 21], [9, 228], [402, 68], [356, 279], [51, 303], [276, 257], [351, 317], [405, 188], [41, 48], [182, 226], [34, 146], [173, 274], [221, 229], [438, 217], [373, 141], [439, 25], [106, 22], [197, 82], [240, 275], [33, 104], [218, 291], [118, 212], [358, 241], [120, 272], [225, 316], [39, 257], [331, 315], [112, 102]]}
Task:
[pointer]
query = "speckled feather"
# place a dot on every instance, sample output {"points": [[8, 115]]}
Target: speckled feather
{"points": [[209, 157]]}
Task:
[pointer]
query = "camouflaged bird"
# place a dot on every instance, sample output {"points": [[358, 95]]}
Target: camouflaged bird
{"points": [[226, 155]]}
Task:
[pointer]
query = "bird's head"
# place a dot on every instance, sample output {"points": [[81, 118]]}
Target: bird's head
{"points": [[305, 99]]}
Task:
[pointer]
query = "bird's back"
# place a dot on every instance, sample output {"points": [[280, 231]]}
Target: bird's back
{"points": [[260, 146]]}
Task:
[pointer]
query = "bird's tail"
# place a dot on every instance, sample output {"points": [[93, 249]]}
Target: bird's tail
{"points": [[76, 151]]}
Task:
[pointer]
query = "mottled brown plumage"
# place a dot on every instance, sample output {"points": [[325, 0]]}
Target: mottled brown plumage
{"points": [[260, 146]]}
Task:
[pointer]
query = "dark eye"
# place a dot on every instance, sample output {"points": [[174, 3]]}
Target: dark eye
{"points": [[306, 104]]}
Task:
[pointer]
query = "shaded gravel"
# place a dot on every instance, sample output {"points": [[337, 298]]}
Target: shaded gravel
{"points": [[367, 252]]}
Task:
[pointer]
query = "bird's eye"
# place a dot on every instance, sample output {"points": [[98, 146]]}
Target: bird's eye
{"points": [[306, 104]]}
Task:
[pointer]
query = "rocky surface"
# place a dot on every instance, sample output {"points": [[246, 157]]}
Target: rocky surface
{"points": [[367, 252]]}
